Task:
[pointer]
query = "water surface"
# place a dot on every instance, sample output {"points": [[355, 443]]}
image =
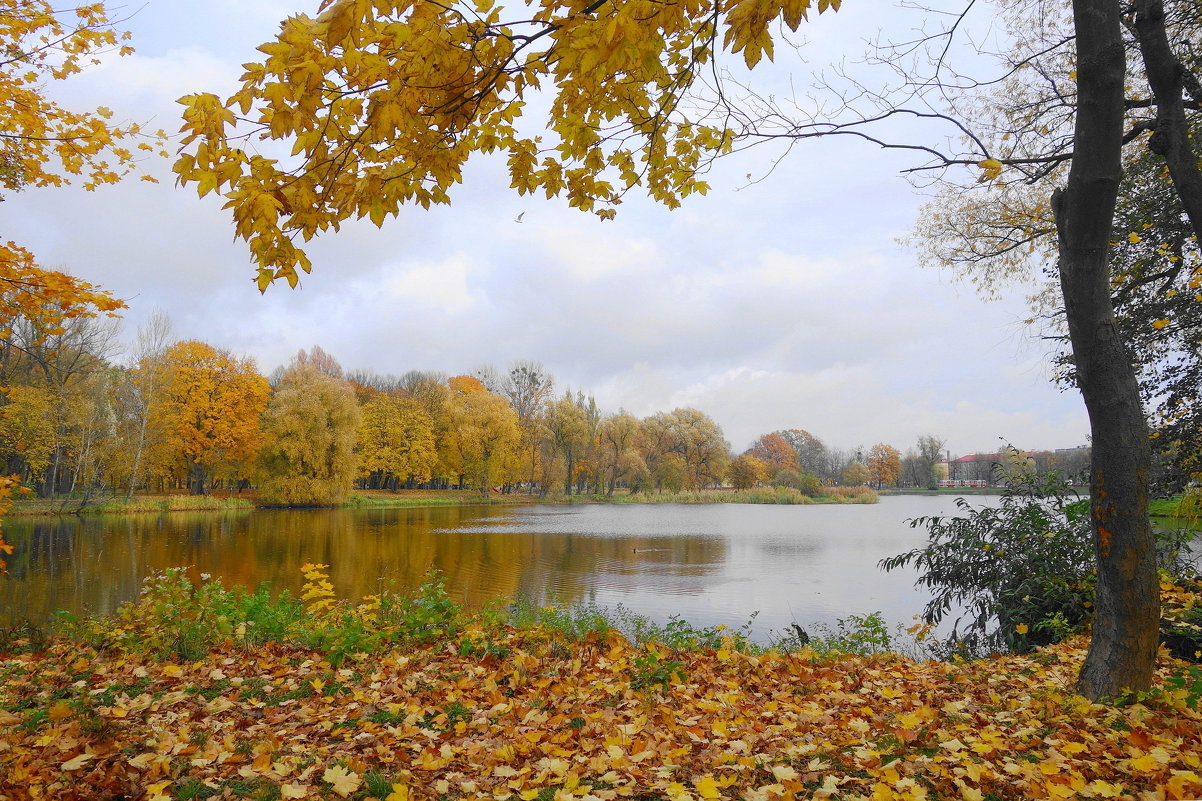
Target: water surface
{"points": [[709, 564]]}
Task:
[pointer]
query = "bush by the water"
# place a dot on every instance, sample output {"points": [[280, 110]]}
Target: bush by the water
{"points": [[1017, 575]]}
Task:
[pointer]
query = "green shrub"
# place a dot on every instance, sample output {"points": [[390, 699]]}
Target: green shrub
{"points": [[1018, 575], [1010, 569], [855, 634], [175, 618]]}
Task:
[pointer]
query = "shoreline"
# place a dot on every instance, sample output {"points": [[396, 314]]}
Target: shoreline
{"points": [[409, 499]]}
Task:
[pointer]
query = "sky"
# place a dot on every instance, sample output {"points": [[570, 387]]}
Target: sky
{"points": [[781, 302]]}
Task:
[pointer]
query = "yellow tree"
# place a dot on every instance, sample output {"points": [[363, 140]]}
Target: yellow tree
{"points": [[484, 434], [570, 437], [308, 457], [884, 464], [702, 447], [396, 442], [27, 430], [210, 409], [43, 144], [746, 471], [856, 474], [618, 438]]}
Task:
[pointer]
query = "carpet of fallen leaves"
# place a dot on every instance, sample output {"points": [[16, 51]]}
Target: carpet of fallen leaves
{"points": [[525, 714]]}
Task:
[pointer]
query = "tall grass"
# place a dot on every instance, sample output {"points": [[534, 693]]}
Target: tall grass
{"points": [[765, 495], [172, 503], [358, 501]]}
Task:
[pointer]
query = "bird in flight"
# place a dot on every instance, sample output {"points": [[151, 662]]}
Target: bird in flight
{"points": [[518, 218]]}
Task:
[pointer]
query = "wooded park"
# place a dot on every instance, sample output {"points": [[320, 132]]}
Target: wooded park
{"points": [[1068, 145]]}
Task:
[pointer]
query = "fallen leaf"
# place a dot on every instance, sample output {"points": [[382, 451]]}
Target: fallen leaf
{"points": [[343, 781]]}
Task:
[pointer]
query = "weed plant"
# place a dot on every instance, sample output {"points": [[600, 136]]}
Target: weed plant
{"points": [[176, 619]]}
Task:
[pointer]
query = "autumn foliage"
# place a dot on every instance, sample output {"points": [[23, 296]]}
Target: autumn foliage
{"points": [[43, 144], [382, 104], [450, 707]]}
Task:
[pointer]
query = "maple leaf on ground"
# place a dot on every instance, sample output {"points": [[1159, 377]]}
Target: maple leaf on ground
{"points": [[343, 781]]}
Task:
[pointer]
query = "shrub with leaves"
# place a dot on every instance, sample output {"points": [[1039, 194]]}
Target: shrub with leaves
{"points": [[176, 618], [1016, 575]]}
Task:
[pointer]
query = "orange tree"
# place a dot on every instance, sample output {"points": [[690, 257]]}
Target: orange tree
{"points": [[211, 409]]}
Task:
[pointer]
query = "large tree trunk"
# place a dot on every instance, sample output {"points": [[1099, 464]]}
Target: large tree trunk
{"points": [[1122, 651]]}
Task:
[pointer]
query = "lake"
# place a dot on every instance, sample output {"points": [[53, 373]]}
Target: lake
{"points": [[708, 564]]}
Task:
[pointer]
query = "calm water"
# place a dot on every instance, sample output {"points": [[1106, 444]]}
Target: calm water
{"points": [[708, 564]]}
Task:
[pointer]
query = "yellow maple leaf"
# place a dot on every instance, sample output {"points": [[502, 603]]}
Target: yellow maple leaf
{"points": [[707, 788], [991, 169], [59, 711], [784, 773], [1144, 763], [1022, 628], [400, 792], [173, 671], [1159, 324], [78, 762], [344, 782], [1134, 238], [294, 790], [158, 791]]}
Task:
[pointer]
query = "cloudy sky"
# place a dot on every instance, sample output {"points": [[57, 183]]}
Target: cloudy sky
{"points": [[786, 303]]}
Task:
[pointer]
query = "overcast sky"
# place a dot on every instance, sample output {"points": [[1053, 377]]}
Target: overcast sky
{"points": [[787, 303]]}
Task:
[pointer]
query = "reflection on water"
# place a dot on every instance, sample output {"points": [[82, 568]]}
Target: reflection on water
{"points": [[708, 564]]}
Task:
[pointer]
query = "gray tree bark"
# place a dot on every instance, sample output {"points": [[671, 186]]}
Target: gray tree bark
{"points": [[1122, 650]]}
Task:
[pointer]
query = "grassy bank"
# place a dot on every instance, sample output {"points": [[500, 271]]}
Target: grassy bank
{"points": [[136, 505], [1181, 507], [779, 495], [411, 700], [246, 500], [383, 499], [954, 491]]}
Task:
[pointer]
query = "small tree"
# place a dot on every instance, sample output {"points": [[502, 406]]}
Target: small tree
{"points": [[856, 474]]}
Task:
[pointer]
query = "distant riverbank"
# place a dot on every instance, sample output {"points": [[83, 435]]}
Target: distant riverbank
{"points": [[1171, 508], [383, 499]]}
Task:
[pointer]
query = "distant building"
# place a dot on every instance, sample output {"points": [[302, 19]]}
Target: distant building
{"points": [[975, 468], [1073, 463], [989, 469]]}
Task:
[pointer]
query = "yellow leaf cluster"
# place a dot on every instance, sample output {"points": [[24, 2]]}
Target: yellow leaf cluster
{"points": [[44, 143], [383, 102], [47, 297]]}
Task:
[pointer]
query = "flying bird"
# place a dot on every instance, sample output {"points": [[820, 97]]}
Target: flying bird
{"points": [[518, 218]]}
